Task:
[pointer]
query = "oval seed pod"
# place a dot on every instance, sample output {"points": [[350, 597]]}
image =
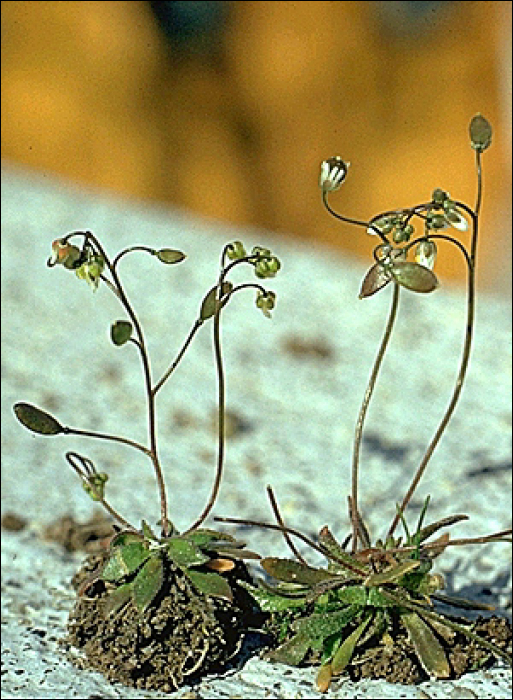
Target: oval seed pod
{"points": [[169, 256], [415, 277], [120, 332], [37, 420], [480, 133]]}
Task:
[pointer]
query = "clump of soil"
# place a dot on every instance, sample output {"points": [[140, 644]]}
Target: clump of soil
{"points": [[398, 663], [181, 635]]}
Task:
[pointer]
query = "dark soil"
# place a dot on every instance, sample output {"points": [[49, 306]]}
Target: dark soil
{"points": [[397, 662], [180, 636]]}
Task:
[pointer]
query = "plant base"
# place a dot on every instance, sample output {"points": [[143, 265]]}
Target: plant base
{"points": [[183, 634]]}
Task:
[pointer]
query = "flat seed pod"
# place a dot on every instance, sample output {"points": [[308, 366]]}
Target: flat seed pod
{"points": [[376, 278], [36, 420], [148, 583], [169, 256], [209, 304], [120, 332], [415, 277]]}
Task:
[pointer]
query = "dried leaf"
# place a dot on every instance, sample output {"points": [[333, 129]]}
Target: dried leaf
{"points": [[291, 571], [220, 565], [429, 650], [323, 678], [392, 574], [429, 530]]}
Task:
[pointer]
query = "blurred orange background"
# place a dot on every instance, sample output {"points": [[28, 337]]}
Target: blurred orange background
{"points": [[231, 119]]}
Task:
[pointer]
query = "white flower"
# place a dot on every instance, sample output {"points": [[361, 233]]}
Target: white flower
{"points": [[333, 173], [456, 219], [425, 254]]}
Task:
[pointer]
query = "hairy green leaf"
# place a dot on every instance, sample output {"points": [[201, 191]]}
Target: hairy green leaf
{"points": [[148, 583]]}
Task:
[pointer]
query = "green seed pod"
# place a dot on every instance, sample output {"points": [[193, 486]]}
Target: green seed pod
{"points": [[169, 256], [480, 133], [120, 332], [209, 304], [415, 277], [37, 420]]}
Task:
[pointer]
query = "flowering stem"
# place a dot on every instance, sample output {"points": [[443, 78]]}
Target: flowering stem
{"points": [[363, 411], [147, 378], [356, 222], [221, 391], [471, 266]]}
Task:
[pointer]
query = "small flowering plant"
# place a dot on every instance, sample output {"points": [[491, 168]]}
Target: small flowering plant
{"points": [[157, 607], [375, 602]]}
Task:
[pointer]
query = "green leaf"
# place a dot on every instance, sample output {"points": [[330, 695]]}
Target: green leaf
{"points": [[148, 532], [415, 277], [148, 583], [169, 256], [125, 537], [37, 420], [429, 650], [393, 573], [120, 332], [272, 602], [125, 560], [291, 652], [204, 538], [321, 625], [345, 652], [210, 584], [185, 553], [291, 571], [118, 598]]}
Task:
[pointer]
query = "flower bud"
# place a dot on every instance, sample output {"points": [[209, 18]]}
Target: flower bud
{"points": [[265, 301], [456, 219], [235, 251], [64, 253], [333, 173], [91, 270]]}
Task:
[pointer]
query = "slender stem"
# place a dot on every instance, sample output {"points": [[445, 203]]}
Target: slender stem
{"points": [[356, 222], [153, 454], [105, 436], [296, 533], [471, 266], [363, 411], [281, 523], [131, 249], [198, 323], [221, 411], [479, 183]]}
